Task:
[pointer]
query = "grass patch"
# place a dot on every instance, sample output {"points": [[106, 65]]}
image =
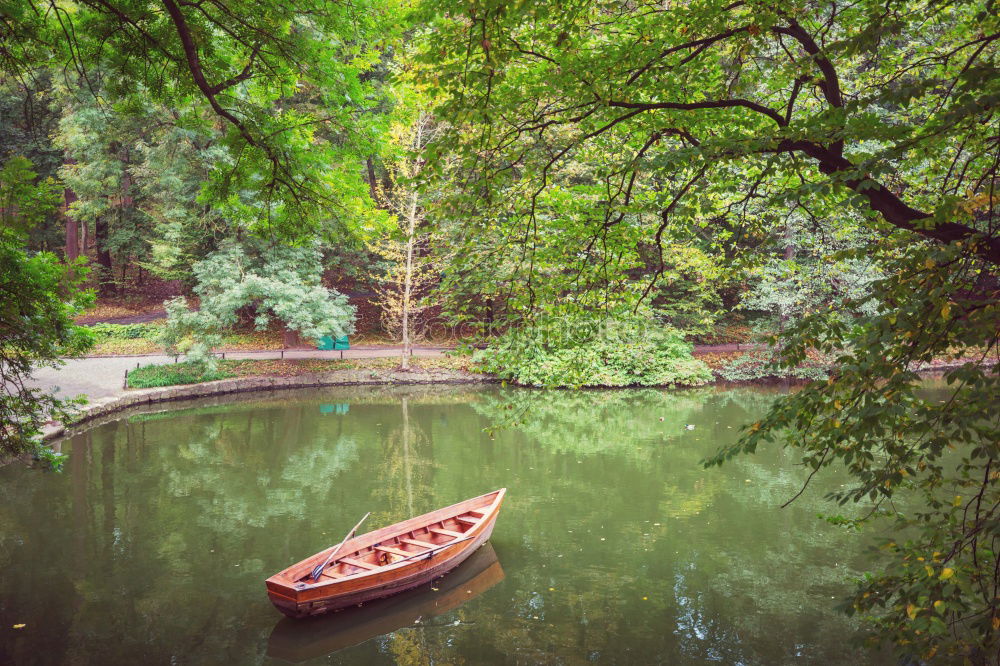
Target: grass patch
{"points": [[151, 376]]}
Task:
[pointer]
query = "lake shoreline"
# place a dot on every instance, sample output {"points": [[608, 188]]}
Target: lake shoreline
{"points": [[130, 398]]}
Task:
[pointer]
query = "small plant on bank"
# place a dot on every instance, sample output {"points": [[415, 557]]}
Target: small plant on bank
{"points": [[757, 365], [49, 459], [152, 376]]}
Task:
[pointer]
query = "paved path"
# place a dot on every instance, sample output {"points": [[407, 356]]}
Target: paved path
{"points": [[101, 377]]}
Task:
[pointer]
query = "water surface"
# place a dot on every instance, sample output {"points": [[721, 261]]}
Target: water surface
{"points": [[614, 545]]}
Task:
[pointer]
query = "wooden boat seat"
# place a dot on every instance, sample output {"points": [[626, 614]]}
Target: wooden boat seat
{"points": [[358, 563], [468, 520], [444, 532], [393, 551], [416, 542]]}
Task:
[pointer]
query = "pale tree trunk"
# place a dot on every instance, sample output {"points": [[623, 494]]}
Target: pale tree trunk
{"points": [[408, 281], [411, 226]]}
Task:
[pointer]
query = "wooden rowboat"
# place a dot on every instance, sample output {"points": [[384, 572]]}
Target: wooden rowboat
{"points": [[313, 638], [388, 560]]}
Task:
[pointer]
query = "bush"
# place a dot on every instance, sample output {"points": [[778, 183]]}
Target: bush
{"points": [[105, 332], [151, 376], [628, 351], [761, 365]]}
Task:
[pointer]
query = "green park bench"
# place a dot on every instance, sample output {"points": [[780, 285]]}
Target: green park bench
{"points": [[328, 343]]}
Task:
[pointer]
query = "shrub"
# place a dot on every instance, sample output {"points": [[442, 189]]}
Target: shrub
{"points": [[278, 282], [104, 332], [626, 351], [761, 365], [151, 376]]}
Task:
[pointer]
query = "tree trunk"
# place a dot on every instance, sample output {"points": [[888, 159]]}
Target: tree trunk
{"points": [[290, 337], [105, 276], [72, 227], [411, 226], [371, 180]]}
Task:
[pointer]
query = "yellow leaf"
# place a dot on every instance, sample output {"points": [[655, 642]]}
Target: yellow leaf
{"points": [[996, 623], [929, 263], [22, 626], [930, 571], [946, 573], [938, 603], [957, 501], [912, 610], [945, 310]]}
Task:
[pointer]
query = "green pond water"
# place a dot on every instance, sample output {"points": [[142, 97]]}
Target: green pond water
{"points": [[614, 545]]}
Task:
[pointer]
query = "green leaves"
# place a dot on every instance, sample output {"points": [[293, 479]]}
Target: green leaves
{"points": [[287, 88], [590, 146], [40, 297], [627, 350], [274, 281]]}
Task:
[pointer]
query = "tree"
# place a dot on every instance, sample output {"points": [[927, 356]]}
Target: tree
{"points": [[38, 298], [409, 273], [285, 82], [274, 281], [715, 117]]}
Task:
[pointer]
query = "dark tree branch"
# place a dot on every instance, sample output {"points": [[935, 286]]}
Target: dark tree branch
{"points": [[695, 106]]}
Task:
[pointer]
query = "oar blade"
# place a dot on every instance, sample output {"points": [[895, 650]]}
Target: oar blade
{"points": [[318, 571]]}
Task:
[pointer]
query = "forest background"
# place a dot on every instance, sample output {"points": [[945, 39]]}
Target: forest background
{"points": [[582, 188]]}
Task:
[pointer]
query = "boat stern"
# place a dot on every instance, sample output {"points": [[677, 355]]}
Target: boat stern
{"points": [[284, 596]]}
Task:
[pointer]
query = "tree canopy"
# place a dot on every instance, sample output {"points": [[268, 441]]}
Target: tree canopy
{"points": [[723, 120], [286, 85], [827, 169]]}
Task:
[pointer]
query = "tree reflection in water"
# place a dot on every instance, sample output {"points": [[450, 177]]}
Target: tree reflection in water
{"points": [[616, 544]]}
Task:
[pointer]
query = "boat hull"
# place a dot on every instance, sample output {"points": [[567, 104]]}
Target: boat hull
{"points": [[301, 640], [298, 601]]}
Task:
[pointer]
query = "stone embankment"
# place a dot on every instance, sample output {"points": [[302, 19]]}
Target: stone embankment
{"points": [[367, 377]]}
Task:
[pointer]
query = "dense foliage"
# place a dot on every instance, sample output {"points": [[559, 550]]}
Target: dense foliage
{"points": [[828, 171], [286, 83], [273, 282], [719, 120], [578, 351], [38, 298]]}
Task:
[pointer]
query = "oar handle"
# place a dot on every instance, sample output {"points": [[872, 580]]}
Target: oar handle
{"points": [[318, 571]]}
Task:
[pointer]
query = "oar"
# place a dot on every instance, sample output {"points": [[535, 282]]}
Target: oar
{"points": [[318, 571]]}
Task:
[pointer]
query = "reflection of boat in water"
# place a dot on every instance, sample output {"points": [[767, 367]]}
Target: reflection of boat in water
{"points": [[386, 561], [298, 640]]}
